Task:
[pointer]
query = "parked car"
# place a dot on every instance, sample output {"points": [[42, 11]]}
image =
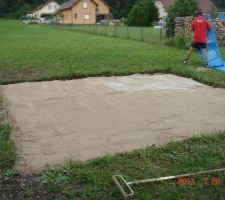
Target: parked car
{"points": [[160, 24]]}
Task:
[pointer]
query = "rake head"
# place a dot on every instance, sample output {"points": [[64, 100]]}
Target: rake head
{"points": [[126, 192]]}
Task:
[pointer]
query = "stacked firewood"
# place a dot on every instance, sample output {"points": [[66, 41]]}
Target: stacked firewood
{"points": [[183, 25], [221, 35]]}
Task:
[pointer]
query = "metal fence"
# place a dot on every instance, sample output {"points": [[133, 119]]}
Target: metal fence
{"points": [[149, 34]]}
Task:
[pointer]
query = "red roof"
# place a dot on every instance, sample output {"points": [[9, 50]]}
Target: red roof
{"points": [[205, 5]]}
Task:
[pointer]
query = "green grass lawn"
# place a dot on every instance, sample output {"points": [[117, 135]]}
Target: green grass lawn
{"points": [[192, 155], [148, 34], [34, 53], [7, 148]]}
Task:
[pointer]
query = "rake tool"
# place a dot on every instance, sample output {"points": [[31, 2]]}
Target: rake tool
{"points": [[128, 192]]}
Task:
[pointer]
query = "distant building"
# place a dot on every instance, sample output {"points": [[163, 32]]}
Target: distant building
{"points": [[162, 9], [48, 8], [82, 12], [207, 6]]}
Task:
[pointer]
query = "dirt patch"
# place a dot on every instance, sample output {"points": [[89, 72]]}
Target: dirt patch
{"points": [[23, 187], [30, 187], [21, 75], [84, 119]]}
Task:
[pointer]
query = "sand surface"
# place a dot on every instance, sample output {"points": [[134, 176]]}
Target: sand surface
{"points": [[83, 119]]}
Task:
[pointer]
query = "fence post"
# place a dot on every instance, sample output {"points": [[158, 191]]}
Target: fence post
{"points": [[105, 29], [141, 33], [128, 36], [115, 30], [160, 35]]}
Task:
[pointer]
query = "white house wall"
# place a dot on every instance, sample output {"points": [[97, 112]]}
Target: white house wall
{"points": [[162, 11], [53, 5]]}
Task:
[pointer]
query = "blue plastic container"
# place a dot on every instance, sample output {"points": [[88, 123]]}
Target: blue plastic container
{"points": [[215, 59], [221, 16]]}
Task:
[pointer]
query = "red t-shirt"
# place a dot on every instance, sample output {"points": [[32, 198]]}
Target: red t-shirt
{"points": [[200, 26]]}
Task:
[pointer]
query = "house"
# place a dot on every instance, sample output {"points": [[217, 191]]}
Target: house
{"points": [[82, 12], [47, 8], [207, 6], [162, 9]]}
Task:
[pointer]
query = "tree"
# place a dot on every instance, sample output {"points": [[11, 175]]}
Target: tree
{"points": [[181, 8], [121, 8], [137, 16], [24, 9], [219, 3], [3, 8], [143, 13]]}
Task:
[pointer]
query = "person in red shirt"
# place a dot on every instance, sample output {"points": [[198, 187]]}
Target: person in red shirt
{"points": [[200, 26]]}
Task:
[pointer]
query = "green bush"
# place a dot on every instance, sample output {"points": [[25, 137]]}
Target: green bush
{"points": [[181, 8], [137, 16], [143, 13], [180, 41]]}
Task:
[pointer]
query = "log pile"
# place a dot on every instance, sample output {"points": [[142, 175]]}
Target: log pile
{"points": [[221, 35], [183, 25]]}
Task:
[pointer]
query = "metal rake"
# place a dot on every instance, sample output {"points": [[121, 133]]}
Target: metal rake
{"points": [[128, 191]]}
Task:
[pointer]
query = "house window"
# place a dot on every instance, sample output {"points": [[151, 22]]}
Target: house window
{"points": [[85, 4], [75, 15], [49, 7], [86, 17]]}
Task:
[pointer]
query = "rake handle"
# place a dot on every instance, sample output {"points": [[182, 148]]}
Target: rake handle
{"points": [[174, 177]]}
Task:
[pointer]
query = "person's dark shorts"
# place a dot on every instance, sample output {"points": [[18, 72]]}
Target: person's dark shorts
{"points": [[198, 45]]}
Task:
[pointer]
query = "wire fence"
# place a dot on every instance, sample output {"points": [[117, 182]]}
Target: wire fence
{"points": [[149, 34]]}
